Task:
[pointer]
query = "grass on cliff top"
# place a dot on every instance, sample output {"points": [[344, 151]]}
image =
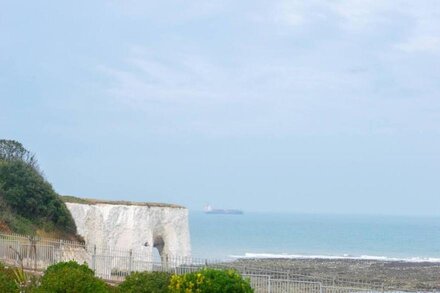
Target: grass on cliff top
{"points": [[90, 201]]}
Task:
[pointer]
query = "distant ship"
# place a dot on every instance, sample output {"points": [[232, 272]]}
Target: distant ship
{"points": [[210, 210]]}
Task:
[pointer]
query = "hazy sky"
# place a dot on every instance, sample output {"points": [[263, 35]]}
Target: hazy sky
{"points": [[298, 106]]}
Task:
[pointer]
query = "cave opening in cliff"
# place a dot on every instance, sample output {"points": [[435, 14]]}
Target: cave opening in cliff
{"points": [[158, 246]]}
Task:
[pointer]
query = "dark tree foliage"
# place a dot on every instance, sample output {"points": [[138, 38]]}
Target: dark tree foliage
{"points": [[11, 150], [26, 198]]}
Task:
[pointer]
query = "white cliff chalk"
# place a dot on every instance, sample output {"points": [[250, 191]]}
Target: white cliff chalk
{"points": [[132, 226]]}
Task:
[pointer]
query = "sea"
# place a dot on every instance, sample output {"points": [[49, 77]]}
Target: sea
{"points": [[284, 235]]}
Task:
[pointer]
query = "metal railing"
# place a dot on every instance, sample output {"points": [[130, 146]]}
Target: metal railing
{"points": [[115, 264], [267, 284]]}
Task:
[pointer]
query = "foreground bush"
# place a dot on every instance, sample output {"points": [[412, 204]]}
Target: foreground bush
{"points": [[71, 277], [16, 280], [7, 283], [210, 280], [146, 282]]}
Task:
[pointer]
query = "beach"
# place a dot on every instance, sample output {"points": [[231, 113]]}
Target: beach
{"points": [[376, 274]]}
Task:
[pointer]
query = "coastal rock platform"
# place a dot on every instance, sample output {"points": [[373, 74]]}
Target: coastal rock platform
{"points": [[392, 275]]}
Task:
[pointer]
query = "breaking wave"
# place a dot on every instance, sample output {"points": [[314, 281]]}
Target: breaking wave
{"points": [[335, 257]]}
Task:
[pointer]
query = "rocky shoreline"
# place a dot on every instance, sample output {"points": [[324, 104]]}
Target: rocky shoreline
{"points": [[384, 275]]}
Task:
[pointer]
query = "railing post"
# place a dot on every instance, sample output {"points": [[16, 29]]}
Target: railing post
{"points": [[130, 261], [61, 252], [94, 258], [268, 285], [17, 255]]}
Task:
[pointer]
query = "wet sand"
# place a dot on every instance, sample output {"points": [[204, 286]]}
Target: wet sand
{"points": [[390, 275]]}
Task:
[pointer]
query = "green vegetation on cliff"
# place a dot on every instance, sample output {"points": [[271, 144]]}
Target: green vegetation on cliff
{"points": [[91, 201], [28, 203]]}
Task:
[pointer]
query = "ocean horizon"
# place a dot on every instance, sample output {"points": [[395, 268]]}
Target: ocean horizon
{"points": [[284, 235]]}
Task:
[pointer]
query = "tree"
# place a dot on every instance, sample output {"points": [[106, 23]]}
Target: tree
{"points": [[11, 150], [27, 201]]}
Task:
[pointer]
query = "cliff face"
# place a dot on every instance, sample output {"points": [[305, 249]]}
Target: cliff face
{"points": [[136, 227]]}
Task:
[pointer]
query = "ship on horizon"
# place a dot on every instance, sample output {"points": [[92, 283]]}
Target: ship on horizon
{"points": [[210, 210]]}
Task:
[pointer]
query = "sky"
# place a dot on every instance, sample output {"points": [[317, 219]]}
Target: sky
{"points": [[314, 106]]}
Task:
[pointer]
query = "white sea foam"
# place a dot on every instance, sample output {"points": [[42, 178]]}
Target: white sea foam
{"points": [[336, 257]]}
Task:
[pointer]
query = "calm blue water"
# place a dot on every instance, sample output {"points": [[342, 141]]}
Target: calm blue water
{"points": [[221, 236]]}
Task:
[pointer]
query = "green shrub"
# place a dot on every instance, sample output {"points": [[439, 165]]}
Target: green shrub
{"points": [[146, 282], [71, 277], [27, 201], [7, 283], [26, 282], [210, 280], [30, 196]]}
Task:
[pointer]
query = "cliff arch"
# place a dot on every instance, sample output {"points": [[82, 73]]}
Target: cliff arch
{"points": [[159, 244]]}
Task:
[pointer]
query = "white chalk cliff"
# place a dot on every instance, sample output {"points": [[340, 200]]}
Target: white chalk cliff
{"points": [[134, 226]]}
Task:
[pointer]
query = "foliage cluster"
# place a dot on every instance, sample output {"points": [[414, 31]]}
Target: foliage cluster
{"points": [[146, 282], [11, 150], [71, 277], [27, 283], [7, 283], [15, 280], [210, 280], [27, 201]]}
